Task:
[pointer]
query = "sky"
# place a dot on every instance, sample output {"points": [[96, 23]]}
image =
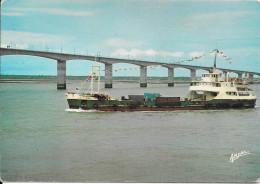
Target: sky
{"points": [[165, 31]]}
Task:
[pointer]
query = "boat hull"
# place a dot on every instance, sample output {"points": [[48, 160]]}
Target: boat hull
{"points": [[117, 105]]}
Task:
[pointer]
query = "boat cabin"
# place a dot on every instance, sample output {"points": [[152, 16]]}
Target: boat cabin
{"points": [[212, 77]]}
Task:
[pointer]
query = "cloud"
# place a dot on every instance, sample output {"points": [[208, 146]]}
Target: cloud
{"points": [[24, 40], [194, 0], [121, 43], [74, 1], [15, 45], [221, 15], [53, 11], [206, 20], [196, 54], [17, 14], [150, 52]]}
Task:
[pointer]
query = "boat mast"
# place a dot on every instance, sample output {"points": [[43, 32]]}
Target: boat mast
{"points": [[98, 79], [215, 60], [92, 79], [91, 84]]}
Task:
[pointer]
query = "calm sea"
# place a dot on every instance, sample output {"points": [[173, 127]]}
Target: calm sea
{"points": [[41, 140]]}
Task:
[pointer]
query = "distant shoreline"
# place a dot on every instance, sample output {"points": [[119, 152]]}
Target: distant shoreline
{"points": [[30, 78], [152, 80], [75, 77]]}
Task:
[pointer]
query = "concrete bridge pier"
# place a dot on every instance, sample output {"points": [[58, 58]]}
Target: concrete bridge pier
{"points": [[170, 77], [108, 75], [143, 76], [193, 74], [61, 74]]}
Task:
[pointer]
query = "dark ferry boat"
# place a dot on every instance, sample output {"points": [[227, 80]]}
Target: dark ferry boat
{"points": [[213, 91]]}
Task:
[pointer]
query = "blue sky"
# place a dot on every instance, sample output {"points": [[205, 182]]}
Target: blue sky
{"points": [[165, 31]]}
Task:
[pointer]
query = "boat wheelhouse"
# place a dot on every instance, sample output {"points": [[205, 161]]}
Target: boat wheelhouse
{"points": [[217, 86]]}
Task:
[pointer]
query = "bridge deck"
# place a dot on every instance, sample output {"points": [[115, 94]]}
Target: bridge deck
{"points": [[61, 59]]}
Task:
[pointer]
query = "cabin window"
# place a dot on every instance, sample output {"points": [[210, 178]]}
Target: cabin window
{"points": [[244, 93], [214, 94], [218, 85], [231, 93]]}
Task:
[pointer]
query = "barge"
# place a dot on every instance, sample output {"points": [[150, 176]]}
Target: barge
{"points": [[213, 91]]}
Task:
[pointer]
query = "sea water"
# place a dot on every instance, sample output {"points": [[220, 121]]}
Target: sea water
{"points": [[42, 140]]}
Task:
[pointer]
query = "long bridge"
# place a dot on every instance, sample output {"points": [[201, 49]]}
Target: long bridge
{"points": [[61, 59]]}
